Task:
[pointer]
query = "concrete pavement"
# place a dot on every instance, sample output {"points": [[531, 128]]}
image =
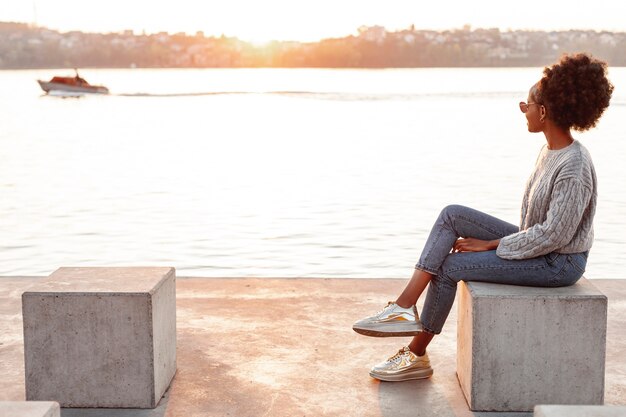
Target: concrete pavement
{"points": [[285, 347]]}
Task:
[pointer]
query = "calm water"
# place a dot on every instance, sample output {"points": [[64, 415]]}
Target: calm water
{"points": [[281, 173]]}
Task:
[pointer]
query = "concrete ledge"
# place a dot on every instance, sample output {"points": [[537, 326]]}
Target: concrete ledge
{"points": [[579, 411], [522, 346], [29, 409], [100, 337]]}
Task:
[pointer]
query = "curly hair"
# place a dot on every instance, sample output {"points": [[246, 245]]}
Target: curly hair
{"points": [[575, 91]]}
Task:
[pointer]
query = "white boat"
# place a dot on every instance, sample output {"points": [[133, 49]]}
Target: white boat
{"points": [[74, 84]]}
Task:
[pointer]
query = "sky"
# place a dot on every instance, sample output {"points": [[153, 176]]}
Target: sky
{"points": [[311, 20]]}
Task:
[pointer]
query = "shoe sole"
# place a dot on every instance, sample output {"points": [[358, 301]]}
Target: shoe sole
{"points": [[389, 329], [408, 376]]}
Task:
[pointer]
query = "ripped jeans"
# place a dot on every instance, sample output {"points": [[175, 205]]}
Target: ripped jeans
{"points": [[551, 270]]}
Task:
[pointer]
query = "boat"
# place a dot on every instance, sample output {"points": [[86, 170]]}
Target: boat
{"points": [[75, 84]]}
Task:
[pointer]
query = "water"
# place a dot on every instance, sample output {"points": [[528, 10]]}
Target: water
{"points": [[274, 172]]}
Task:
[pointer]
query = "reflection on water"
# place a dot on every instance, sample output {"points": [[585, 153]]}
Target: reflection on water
{"points": [[270, 172]]}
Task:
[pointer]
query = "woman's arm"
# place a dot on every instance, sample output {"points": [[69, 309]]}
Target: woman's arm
{"points": [[568, 202]]}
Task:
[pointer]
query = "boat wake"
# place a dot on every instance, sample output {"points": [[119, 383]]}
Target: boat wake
{"points": [[316, 95], [223, 93], [323, 95], [211, 93]]}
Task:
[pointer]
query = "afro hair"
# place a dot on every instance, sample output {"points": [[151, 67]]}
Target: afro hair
{"points": [[575, 91]]}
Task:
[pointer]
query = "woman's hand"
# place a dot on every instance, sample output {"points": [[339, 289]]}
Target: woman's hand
{"points": [[470, 244]]}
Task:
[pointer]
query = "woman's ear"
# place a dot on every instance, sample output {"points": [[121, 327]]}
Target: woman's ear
{"points": [[542, 113]]}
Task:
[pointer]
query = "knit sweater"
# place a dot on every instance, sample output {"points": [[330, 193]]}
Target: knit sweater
{"points": [[558, 206]]}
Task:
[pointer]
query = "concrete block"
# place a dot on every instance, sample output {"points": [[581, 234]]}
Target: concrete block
{"points": [[579, 411], [29, 409], [101, 337], [522, 346]]}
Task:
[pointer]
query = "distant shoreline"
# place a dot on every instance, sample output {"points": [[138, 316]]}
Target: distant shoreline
{"points": [[29, 47]]}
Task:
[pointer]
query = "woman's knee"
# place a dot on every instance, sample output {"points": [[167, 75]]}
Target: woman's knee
{"points": [[450, 212]]}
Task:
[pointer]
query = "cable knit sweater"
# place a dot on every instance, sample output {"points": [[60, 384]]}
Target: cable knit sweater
{"points": [[558, 206]]}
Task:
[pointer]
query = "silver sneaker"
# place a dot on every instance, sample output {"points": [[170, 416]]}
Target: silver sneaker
{"points": [[403, 366], [392, 320]]}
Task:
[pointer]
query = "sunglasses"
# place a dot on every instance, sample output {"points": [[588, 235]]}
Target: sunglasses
{"points": [[524, 106]]}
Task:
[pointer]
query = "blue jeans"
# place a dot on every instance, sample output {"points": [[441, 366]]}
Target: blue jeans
{"points": [[551, 270]]}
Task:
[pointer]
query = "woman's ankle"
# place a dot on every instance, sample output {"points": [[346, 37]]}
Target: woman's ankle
{"points": [[403, 303], [418, 352], [420, 343]]}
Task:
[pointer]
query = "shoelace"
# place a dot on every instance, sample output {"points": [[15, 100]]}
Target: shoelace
{"points": [[395, 358], [384, 308]]}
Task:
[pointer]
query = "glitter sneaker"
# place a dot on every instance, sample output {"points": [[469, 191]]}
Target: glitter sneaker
{"points": [[392, 320], [403, 366]]}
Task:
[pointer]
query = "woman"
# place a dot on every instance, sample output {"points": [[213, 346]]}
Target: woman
{"points": [[550, 247]]}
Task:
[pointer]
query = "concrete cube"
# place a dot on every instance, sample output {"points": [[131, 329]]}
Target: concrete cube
{"points": [[579, 411], [101, 337], [522, 346], [29, 409]]}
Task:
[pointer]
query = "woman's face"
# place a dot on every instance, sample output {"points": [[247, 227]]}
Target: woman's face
{"points": [[533, 112]]}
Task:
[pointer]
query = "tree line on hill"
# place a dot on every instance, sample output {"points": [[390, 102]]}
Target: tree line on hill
{"points": [[26, 46]]}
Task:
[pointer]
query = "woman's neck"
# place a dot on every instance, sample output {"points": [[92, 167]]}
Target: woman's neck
{"points": [[557, 137]]}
